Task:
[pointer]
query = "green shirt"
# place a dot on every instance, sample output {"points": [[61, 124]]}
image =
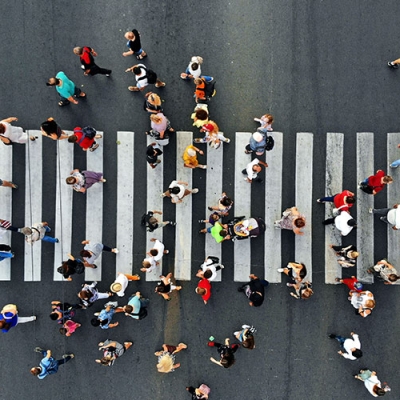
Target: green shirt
{"points": [[215, 232]]}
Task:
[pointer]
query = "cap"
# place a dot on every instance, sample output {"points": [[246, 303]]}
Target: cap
{"points": [[191, 152], [358, 285]]}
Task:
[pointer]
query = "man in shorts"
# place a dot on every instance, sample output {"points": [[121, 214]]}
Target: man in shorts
{"points": [[134, 45]]}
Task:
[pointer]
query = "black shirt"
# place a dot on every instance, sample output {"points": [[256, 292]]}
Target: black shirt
{"points": [[135, 44]]}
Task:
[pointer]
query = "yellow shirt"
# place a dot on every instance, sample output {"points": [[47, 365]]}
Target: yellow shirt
{"points": [[190, 160]]}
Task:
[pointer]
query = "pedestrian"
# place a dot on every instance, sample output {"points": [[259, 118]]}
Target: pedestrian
{"points": [[152, 153], [350, 348], [266, 122], [303, 290], [111, 351], [218, 231], [390, 216], [372, 383], [253, 169], [344, 222], [144, 76], [121, 283], [395, 163], [38, 232], [343, 201], [52, 130], [200, 393], [209, 268], [363, 302], [165, 286], [62, 312], [49, 365], [152, 103], [226, 353], [193, 70], [375, 183], [9, 318], [152, 223], [259, 142], [83, 180], [91, 252], [394, 64], [85, 138], [89, 294], [104, 317], [204, 289], [67, 89], [254, 290], [160, 128], [12, 134], [291, 220], [5, 252], [155, 255], [190, 157], [69, 327], [200, 115], [134, 45], [205, 89], [86, 55], [212, 219], [352, 283], [136, 307], [166, 357], [295, 271], [246, 336], [212, 135], [70, 267], [5, 183], [224, 205], [177, 191], [386, 271], [347, 256]]}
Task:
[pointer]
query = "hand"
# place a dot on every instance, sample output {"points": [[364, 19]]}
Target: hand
{"points": [[201, 152], [340, 352], [75, 101], [137, 294]]}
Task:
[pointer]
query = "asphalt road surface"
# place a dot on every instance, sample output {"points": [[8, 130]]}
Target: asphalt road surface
{"points": [[317, 67]]}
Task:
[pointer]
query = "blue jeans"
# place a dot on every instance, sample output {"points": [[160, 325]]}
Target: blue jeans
{"points": [[328, 198], [48, 238], [365, 181], [5, 254], [395, 164], [341, 340]]}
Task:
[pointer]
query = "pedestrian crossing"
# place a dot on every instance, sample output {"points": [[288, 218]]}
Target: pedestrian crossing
{"points": [[36, 189]]}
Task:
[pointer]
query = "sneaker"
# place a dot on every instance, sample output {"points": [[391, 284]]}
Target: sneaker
{"points": [[331, 336], [72, 355], [319, 201], [393, 166], [210, 208], [391, 65], [288, 284], [237, 333], [104, 180], [162, 195], [172, 223], [107, 75], [201, 221], [166, 251], [38, 349], [34, 317], [370, 210], [56, 241], [133, 88], [96, 314], [203, 166], [157, 85], [195, 190], [280, 269], [382, 219], [227, 140], [222, 266]]}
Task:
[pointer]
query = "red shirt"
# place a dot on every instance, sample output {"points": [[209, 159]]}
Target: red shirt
{"points": [[205, 284], [339, 200], [349, 282], [86, 143], [375, 181]]}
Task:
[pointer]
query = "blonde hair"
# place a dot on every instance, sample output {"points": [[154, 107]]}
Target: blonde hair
{"points": [[354, 254], [155, 99], [156, 118], [165, 363]]}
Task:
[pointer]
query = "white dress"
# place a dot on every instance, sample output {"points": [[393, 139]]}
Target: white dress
{"points": [[14, 133]]}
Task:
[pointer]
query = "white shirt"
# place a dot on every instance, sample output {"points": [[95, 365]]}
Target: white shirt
{"points": [[208, 264], [249, 169], [152, 262], [341, 223], [393, 217], [197, 73], [371, 382], [38, 232], [351, 344], [15, 133], [141, 82], [123, 280], [160, 247], [178, 196]]}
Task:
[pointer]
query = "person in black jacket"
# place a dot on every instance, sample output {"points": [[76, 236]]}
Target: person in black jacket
{"points": [[254, 290]]}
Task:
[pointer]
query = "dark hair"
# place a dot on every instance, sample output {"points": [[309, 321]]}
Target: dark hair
{"points": [[249, 342], [128, 309], [2, 128], [195, 66], [54, 316], [150, 151], [303, 271], [153, 252], [95, 322], [85, 295], [174, 190], [201, 114], [85, 253], [352, 222], [4, 324], [70, 180], [226, 201], [393, 277], [223, 232], [72, 138], [350, 200], [63, 331], [207, 274], [215, 216], [379, 391], [299, 222], [160, 289], [49, 127], [357, 353], [201, 291], [227, 360], [137, 70]]}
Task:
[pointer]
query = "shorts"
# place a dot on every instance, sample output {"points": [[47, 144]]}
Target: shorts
{"points": [[1, 182]]}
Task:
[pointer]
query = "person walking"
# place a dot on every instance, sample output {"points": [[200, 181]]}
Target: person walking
{"points": [[291, 220], [136, 307], [212, 135], [83, 180], [190, 157], [152, 153], [49, 365], [152, 223], [177, 191], [52, 130], [61, 312], [246, 336], [152, 103], [375, 183], [200, 393], [257, 144], [144, 77], [85, 138], [69, 327], [89, 294], [266, 122], [160, 128], [352, 283], [343, 201], [38, 232], [254, 290], [350, 348], [204, 289], [347, 256], [12, 134], [302, 290], [155, 255], [224, 205], [226, 352], [193, 70], [67, 89], [86, 55], [295, 271], [104, 317], [363, 302], [209, 268], [111, 351], [166, 357], [165, 286], [372, 383], [91, 252], [70, 267], [386, 271], [212, 220], [9, 318], [253, 169], [390, 216], [121, 283], [344, 222], [134, 44]]}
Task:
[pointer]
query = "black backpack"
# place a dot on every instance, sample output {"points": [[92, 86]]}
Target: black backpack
{"points": [[150, 75], [87, 132], [269, 143], [209, 91]]}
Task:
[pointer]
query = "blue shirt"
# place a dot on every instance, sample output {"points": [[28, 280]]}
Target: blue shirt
{"points": [[135, 303], [11, 319], [67, 89], [106, 315], [49, 366]]}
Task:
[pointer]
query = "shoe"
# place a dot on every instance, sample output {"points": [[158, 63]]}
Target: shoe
{"points": [[203, 167], [115, 250], [197, 140], [332, 336], [227, 140], [100, 344], [166, 251], [172, 223], [133, 88], [280, 269], [56, 241], [319, 201], [391, 65], [289, 284], [370, 210], [34, 317], [195, 190], [14, 186], [210, 208], [162, 195], [245, 326], [96, 314], [382, 219], [94, 147], [104, 180], [107, 75], [222, 266], [162, 84], [201, 221], [38, 349], [237, 333], [393, 166], [72, 355]]}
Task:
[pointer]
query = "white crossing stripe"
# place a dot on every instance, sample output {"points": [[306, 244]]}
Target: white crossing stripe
{"points": [[365, 220], [64, 207], [273, 210], [303, 196], [242, 198], [94, 208], [33, 205], [6, 203], [213, 192], [125, 202], [183, 232], [334, 182]]}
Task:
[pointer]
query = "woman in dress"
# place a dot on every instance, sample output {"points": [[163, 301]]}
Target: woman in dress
{"points": [[166, 358], [372, 383], [82, 181], [12, 134], [291, 220], [52, 130]]}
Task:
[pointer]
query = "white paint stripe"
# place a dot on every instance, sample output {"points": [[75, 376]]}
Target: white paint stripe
{"points": [[183, 240], [334, 183], [242, 198], [155, 186], [6, 202], [94, 208], [63, 227], [213, 193], [33, 205], [365, 221], [273, 210], [125, 201], [393, 197], [303, 196]]}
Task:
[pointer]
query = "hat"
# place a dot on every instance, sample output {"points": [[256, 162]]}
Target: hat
{"points": [[208, 127], [258, 137], [358, 286], [116, 287], [191, 152]]}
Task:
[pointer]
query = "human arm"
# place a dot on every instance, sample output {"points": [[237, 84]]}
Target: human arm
{"points": [[71, 257], [212, 359], [10, 119], [157, 212], [133, 66], [263, 163], [85, 241]]}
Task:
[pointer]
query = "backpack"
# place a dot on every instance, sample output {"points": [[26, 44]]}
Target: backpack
{"points": [[150, 75], [209, 90], [87, 132], [269, 143], [142, 313]]}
